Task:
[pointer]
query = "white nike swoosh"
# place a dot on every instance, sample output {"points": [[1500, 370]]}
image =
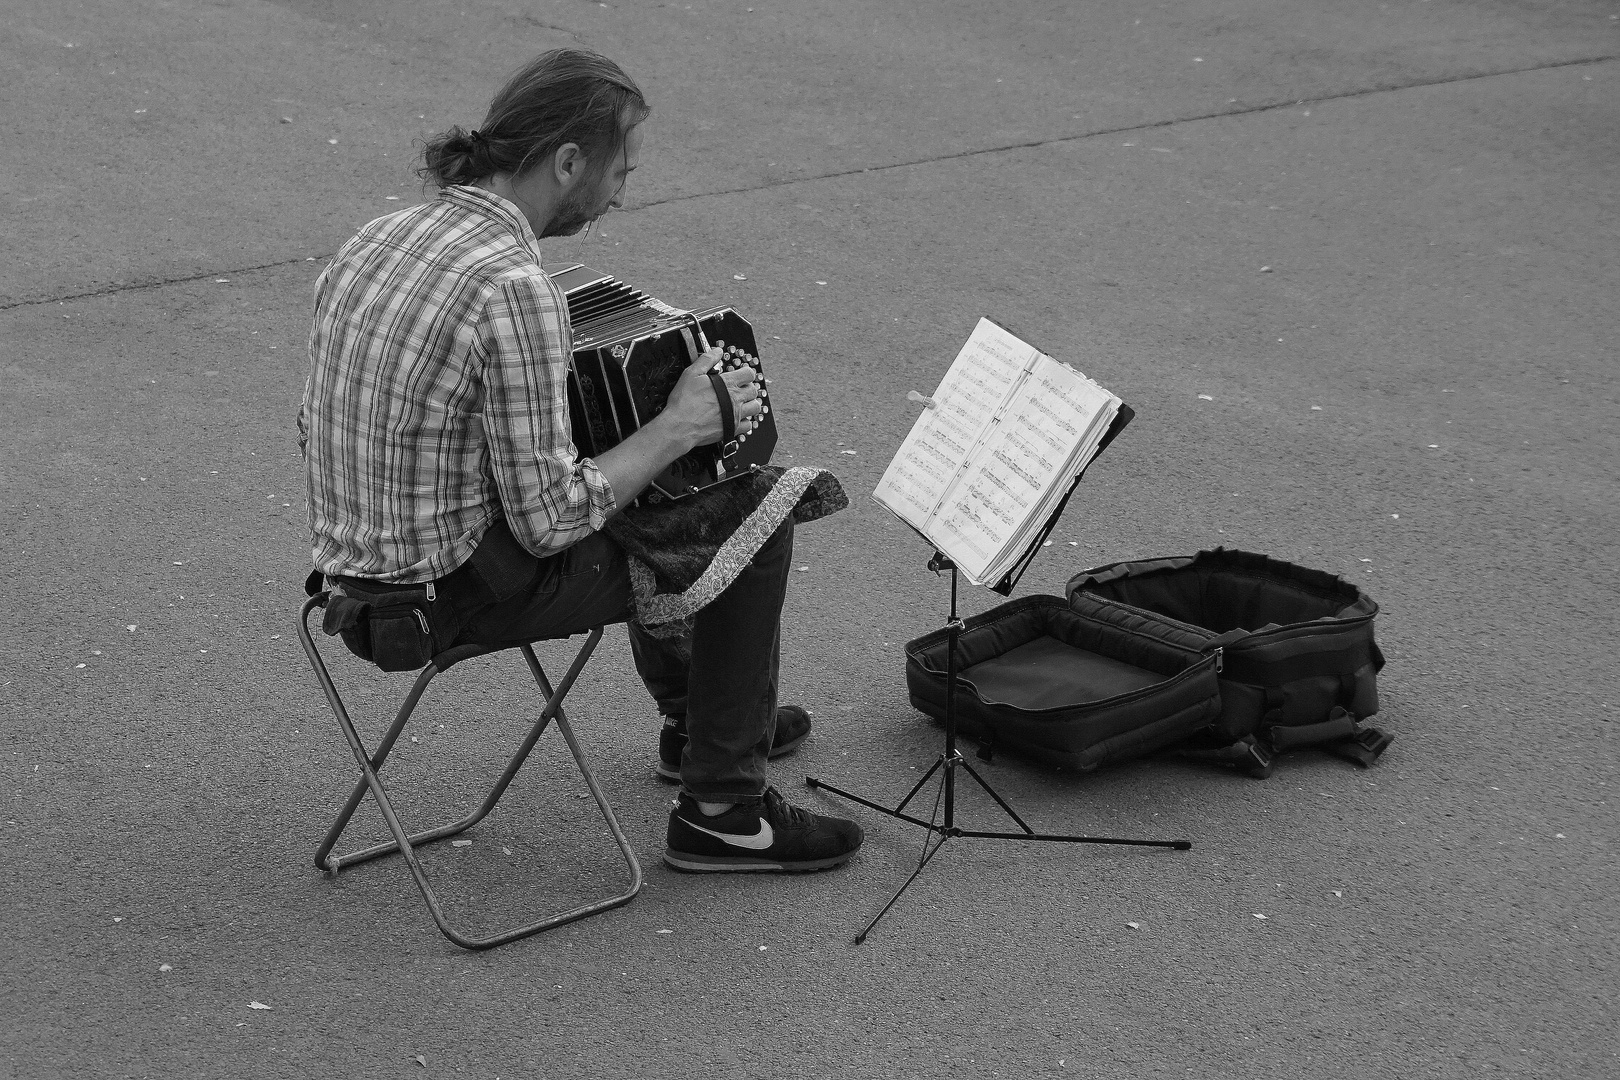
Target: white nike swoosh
{"points": [[758, 842]]}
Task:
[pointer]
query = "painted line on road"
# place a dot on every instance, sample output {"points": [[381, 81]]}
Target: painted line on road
{"points": [[1155, 126], [158, 283], [1443, 80]]}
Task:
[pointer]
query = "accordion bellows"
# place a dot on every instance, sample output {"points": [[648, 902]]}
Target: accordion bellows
{"points": [[629, 350]]}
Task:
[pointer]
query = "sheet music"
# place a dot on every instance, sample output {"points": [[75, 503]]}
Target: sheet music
{"points": [[1027, 455], [977, 384], [981, 474]]}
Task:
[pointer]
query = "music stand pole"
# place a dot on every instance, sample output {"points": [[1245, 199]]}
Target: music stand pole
{"points": [[953, 630], [947, 764]]}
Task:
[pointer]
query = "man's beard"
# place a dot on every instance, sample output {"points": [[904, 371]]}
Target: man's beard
{"points": [[572, 215]]}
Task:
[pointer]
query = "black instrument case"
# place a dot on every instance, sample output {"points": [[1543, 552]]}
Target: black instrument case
{"points": [[1229, 654]]}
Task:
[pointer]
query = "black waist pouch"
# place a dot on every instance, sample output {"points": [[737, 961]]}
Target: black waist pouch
{"points": [[385, 624], [1069, 688], [402, 627], [1300, 664]]}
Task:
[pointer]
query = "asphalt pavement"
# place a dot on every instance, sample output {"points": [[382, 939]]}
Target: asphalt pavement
{"points": [[1354, 264]]}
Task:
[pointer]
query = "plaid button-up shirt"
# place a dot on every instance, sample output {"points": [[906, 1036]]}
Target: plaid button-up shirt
{"points": [[436, 401]]}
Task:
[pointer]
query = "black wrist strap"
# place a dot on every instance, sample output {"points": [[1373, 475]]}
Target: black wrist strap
{"points": [[728, 416]]}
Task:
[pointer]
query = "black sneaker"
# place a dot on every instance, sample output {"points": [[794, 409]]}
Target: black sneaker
{"points": [[761, 836], [792, 728]]}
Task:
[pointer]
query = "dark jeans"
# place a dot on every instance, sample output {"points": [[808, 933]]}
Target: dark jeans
{"points": [[722, 675]]}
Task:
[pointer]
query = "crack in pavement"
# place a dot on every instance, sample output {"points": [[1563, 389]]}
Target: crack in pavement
{"points": [[1441, 80]]}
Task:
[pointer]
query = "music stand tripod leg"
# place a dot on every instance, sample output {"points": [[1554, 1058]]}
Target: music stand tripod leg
{"points": [[946, 766], [928, 854]]}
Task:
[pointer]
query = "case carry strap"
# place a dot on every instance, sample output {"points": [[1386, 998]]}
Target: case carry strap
{"points": [[1340, 724], [1362, 748], [1341, 734], [1247, 755]]}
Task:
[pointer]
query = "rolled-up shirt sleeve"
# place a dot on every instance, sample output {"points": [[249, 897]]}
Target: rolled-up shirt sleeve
{"points": [[551, 496]]}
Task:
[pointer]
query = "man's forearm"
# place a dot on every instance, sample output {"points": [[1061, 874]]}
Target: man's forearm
{"points": [[631, 465], [690, 418]]}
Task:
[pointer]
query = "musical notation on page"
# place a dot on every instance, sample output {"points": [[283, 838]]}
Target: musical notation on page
{"points": [[973, 389], [982, 471]]}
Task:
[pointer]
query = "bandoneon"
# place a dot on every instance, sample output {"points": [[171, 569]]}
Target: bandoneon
{"points": [[629, 350]]}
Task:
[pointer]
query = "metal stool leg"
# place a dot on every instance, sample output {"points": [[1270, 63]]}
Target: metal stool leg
{"points": [[405, 844], [567, 730], [324, 859]]}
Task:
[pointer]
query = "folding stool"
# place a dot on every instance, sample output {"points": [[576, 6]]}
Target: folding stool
{"points": [[371, 765]]}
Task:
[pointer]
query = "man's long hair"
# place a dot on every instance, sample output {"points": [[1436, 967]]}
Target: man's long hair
{"points": [[562, 96]]}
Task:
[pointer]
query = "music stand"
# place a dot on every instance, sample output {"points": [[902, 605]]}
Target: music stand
{"points": [[951, 759]]}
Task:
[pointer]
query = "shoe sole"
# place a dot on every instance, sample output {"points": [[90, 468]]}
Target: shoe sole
{"points": [[744, 864], [674, 776]]}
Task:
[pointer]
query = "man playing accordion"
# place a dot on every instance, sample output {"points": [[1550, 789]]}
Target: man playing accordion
{"points": [[437, 440]]}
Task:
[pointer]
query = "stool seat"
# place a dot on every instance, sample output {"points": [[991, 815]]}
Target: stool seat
{"points": [[404, 843]]}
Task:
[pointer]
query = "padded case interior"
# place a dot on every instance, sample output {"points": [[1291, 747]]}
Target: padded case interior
{"points": [[1038, 654], [1073, 688], [1047, 673]]}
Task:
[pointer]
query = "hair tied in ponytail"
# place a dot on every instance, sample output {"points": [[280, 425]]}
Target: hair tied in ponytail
{"points": [[562, 96]]}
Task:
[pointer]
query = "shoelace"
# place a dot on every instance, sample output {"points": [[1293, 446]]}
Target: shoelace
{"points": [[782, 812]]}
